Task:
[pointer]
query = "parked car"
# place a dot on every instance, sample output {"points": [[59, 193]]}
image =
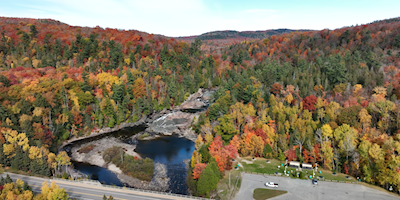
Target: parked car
{"points": [[315, 181], [271, 184]]}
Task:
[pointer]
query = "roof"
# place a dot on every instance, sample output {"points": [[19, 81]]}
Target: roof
{"points": [[294, 163], [307, 165]]}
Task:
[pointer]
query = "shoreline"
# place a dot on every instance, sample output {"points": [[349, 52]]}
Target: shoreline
{"points": [[94, 157]]}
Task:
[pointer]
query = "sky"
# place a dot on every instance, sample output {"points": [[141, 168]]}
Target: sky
{"points": [[193, 17]]}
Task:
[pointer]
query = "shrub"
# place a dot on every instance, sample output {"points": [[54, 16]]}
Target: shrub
{"points": [[87, 148], [65, 176]]}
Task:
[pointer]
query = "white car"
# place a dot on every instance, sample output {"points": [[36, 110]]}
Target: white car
{"points": [[271, 184]]}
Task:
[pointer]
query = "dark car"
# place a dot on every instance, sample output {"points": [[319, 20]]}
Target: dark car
{"points": [[315, 181]]}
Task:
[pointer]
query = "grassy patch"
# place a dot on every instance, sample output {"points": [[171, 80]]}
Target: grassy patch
{"points": [[261, 193], [142, 169], [261, 166], [338, 177], [145, 135], [87, 148]]}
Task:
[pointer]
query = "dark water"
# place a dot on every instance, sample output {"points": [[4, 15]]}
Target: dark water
{"points": [[98, 173], [171, 151]]}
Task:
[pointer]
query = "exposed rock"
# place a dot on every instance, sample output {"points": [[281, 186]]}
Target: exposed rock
{"points": [[196, 101], [114, 169], [159, 182], [193, 105], [174, 123], [95, 156], [104, 131]]}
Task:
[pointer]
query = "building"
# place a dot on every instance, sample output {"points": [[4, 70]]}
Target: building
{"points": [[294, 164], [306, 166]]}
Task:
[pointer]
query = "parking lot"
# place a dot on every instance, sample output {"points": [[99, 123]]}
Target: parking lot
{"points": [[304, 189]]}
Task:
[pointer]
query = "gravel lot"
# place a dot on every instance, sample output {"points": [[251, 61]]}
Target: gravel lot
{"points": [[304, 189]]}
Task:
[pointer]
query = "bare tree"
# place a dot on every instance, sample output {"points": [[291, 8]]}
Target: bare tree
{"points": [[300, 141]]}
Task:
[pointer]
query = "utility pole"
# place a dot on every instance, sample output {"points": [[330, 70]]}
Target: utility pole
{"points": [[229, 179]]}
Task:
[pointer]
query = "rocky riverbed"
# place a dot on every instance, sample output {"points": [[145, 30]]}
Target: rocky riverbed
{"points": [[159, 181], [178, 121]]}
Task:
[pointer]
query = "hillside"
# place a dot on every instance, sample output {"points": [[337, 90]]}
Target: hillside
{"points": [[242, 35], [329, 97]]}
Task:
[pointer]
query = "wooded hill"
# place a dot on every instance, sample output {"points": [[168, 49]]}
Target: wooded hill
{"points": [[328, 97], [241, 35]]}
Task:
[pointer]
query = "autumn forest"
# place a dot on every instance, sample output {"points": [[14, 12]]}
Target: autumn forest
{"points": [[328, 97]]}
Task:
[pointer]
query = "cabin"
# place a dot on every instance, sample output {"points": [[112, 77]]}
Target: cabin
{"points": [[294, 164], [306, 166]]}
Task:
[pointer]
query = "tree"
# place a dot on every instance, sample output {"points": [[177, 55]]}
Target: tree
{"points": [[365, 119], [276, 88], [54, 192], [199, 142], [327, 153], [198, 169], [62, 159], [326, 132], [225, 128], [208, 180], [267, 151], [34, 31], [309, 102]]}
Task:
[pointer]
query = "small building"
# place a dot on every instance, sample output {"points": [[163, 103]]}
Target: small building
{"points": [[294, 164], [306, 166]]}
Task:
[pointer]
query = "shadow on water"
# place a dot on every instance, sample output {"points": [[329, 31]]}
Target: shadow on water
{"points": [[103, 175], [171, 151]]}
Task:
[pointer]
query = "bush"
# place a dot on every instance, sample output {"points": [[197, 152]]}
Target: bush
{"points": [[65, 176], [87, 148], [302, 175], [144, 136]]}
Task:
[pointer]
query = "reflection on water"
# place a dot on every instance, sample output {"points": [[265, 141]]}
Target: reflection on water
{"points": [[171, 151], [98, 173]]}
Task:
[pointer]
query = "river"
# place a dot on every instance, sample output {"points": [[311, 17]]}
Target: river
{"points": [[169, 150]]}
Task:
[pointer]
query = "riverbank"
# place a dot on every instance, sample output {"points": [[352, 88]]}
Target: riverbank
{"points": [[166, 122], [159, 181], [103, 131], [176, 121]]}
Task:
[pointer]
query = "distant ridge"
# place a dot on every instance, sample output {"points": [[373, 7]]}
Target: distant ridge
{"points": [[229, 34]]}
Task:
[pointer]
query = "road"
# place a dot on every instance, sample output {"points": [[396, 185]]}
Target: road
{"points": [[91, 192], [304, 189]]}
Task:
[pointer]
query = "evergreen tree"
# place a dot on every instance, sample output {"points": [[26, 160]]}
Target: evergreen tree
{"points": [[8, 179]]}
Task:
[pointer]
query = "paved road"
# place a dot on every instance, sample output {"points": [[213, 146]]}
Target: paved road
{"points": [[304, 189], [88, 192]]}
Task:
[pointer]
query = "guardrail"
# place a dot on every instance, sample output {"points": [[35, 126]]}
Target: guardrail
{"points": [[128, 188]]}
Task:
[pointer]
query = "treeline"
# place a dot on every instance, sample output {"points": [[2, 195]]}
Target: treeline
{"points": [[59, 82], [21, 190], [324, 97]]}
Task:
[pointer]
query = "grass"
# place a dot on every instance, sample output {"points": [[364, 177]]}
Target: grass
{"points": [[261, 193], [327, 174], [145, 135], [261, 166]]}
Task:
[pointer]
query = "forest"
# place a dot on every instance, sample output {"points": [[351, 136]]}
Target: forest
{"points": [[328, 97]]}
